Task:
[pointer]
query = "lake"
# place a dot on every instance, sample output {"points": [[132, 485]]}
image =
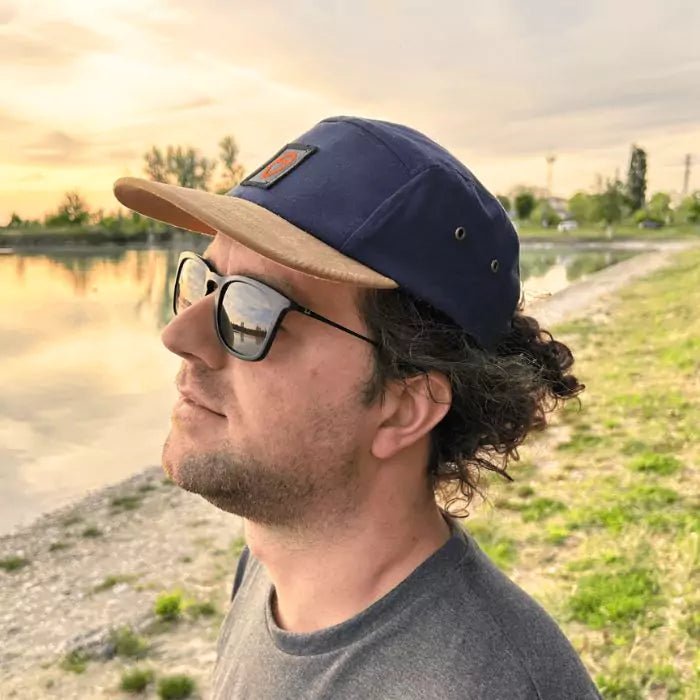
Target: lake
{"points": [[86, 387]]}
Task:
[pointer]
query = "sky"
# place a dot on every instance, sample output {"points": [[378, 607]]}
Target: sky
{"points": [[86, 88]]}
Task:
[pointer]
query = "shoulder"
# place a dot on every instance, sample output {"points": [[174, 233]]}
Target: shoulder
{"points": [[521, 626]]}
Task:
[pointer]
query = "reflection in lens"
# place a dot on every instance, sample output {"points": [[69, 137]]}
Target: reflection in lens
{"points": [[191, 286], [246, 316]]}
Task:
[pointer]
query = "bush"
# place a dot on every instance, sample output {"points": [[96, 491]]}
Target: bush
{"points": [[173, 687], [75, 661], [169, 605], [128, 643], [136, 680]]}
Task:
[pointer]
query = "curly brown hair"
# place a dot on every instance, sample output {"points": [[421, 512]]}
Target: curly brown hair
{"points": [[498, 396]]}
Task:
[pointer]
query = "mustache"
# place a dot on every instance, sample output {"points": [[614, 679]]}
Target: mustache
{"points": [[201, 384]]}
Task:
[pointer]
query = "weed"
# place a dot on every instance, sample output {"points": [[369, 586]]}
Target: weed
{"points": [[136, 680], [168, 606], [123, 503], [13, 563], [57, 546], [175, 687], [92, 531], [75, 661], [127, 643], [112, 580], [203, 609]]}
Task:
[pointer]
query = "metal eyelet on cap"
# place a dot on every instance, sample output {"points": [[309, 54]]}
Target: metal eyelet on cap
{"points": [[460, 233], [494, 265]]}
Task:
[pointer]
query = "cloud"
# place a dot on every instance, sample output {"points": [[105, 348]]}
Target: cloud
{"points": [[56, 146], [10, 121]]}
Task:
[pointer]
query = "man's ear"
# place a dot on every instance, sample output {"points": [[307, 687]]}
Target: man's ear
{"points": [[410, 412]]}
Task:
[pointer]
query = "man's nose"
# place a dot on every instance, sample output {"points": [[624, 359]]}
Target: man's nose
{"points": [[192, 333]]}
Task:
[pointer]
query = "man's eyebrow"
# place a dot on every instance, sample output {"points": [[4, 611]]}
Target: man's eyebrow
{"points": [[277, 283]]}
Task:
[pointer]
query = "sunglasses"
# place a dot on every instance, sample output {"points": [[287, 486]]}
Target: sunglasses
{"points": [[247, 312]]}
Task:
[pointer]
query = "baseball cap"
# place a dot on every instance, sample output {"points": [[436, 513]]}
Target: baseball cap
{"points": [[369, 202]]}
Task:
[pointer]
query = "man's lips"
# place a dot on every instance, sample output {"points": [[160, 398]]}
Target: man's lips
{"points": [[191, 398]]}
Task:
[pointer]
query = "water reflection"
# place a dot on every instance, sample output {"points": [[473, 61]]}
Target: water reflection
{"points": [[545, 271], [86, 387]]}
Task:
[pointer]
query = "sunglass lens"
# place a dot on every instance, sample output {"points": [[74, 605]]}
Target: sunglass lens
{"points": [[246, 316], [191, 284]]}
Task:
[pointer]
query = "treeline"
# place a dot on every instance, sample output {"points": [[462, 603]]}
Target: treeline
{"points": [[616, 202], [175, 165]]}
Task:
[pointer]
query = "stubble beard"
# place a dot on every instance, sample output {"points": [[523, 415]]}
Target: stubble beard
{"points": [[295, 493]]}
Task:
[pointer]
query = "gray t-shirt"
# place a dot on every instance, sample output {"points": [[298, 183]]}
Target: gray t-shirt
{"points": [[455, 628]]}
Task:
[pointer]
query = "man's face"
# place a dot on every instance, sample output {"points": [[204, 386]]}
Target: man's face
{"points": [[289, 437]]}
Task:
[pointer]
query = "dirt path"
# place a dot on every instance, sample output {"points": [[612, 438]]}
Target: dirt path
{"points": [[156, 538]]}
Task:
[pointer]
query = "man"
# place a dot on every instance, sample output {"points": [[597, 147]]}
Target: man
{"points": [[352, 350]]}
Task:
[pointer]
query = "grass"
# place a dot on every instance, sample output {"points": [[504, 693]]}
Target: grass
{"points": [[128, 644], [112, 580], [607, 536], [136, 680], [92, 531], [13, 563], [237, 545], [75, 661], [175, 686], [168, 606], [126, 502], [58, 546], [530, 230], [613, 598]]}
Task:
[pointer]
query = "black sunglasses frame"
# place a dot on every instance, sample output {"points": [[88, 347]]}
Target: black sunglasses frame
{"points": [[277, 299]]}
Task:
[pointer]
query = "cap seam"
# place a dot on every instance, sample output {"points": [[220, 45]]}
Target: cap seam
{"points": [[377, 138], [383, 203]]}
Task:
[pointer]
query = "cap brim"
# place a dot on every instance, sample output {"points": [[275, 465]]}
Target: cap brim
{"points": [[248, 223]]}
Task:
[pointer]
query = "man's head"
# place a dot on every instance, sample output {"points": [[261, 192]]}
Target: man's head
{"points": [[295, 436], [381, 230]]}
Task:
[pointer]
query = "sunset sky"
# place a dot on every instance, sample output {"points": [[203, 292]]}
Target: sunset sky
{"points": [[86, 88]]}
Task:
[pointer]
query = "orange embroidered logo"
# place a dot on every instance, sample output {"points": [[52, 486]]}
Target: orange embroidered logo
{"points": [[278, 165], [282, 163]]}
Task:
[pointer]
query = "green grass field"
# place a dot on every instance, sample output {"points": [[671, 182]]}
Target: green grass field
{"points": [[602, 522], [528, 230]]}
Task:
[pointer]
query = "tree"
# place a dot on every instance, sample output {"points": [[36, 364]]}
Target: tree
{"points": [[505, 202], [233, 170], [180, 166], [72, 211], [611, 202], [637, 178], [689, 209], [660, 207], [156, 167], [524, 204], [584, 208], [15, 221], [545, 214]]}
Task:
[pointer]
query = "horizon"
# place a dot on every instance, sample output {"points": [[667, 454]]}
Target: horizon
{"points": [[87, 90]]}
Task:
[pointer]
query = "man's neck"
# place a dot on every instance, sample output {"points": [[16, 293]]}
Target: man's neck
{"points": [[330, 580]]}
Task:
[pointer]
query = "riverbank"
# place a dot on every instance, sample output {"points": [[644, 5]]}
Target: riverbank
{"points": [[98, 565], [153, 233]]}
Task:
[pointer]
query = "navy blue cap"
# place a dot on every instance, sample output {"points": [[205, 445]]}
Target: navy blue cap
{"points": [[367, 202], [391, 198]]}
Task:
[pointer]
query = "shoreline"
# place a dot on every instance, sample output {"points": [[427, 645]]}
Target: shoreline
{"points": [[156, 537]]}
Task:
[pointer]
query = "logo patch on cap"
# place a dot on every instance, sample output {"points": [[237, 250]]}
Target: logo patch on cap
{"points": [[282, 163]]}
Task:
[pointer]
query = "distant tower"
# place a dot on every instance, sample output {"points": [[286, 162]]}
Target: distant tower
{"points": [[550, 168], [686, 175]]}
